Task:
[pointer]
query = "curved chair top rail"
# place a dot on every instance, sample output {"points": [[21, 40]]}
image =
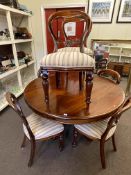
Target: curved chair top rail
{"points": [[115, 118], [115, 75], [70, 16]]}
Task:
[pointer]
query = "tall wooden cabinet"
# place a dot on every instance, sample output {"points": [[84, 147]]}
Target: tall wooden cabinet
{"points": [[20, 74]]}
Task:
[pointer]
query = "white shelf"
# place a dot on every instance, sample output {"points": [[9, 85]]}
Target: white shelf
{"points": [[7, 73], [25, 65], [123, 51], [12, 80], [5, 42], [6, 8], [3, 102], [126, 56], [116, 55], [22, 40]]}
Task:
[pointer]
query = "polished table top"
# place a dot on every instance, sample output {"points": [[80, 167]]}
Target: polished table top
{"points": [[67, 104]]}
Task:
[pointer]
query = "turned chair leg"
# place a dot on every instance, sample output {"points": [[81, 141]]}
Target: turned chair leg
{"points": [[75, 136], [32, 154], [113, 142], [23, 142], [61, 141], [102, 154]]}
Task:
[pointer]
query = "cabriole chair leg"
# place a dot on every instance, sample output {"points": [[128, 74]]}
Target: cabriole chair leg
{"points": [[61, 141], [32, 154], [113, 142], [23, 142], [102, 154], [75, 135]]}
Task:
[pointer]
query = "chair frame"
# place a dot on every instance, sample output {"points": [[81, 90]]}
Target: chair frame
{"points": [[70, 16], [111, 123], [13, 102], [116, 78]]}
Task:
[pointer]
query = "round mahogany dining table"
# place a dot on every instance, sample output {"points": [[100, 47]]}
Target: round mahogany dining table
{"points": [[67, 103]]}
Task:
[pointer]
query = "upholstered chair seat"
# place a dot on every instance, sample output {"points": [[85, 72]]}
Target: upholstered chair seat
{"points": [[87, 51], [36, 127], [42, 127], [96, 130], [67, 59]]}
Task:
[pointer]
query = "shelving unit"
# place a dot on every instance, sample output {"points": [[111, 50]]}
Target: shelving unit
{"points": [[17, 77], [119, 53]]}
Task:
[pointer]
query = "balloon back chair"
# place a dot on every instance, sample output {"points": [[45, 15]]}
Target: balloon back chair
{"points": [[64, 61], [102, 130], [35, 127], [71, 43]]}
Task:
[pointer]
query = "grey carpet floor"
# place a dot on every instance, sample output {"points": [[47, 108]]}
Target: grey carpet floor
{"points": [[82, 160]]}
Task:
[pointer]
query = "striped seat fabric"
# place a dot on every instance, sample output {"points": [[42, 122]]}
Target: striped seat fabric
{"points": [[67, 59], [95, 130], [76, 49], [42, 127]]}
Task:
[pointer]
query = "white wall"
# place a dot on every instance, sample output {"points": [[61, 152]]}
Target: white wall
{"points": [[112, 31], [99, 31]]}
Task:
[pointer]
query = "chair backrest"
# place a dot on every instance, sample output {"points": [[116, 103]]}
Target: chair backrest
{"points": [[109, 72], [70, 16], [13, 102], [115, 118], [102, 64]]}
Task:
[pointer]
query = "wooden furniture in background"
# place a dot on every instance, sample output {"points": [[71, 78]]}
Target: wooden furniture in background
{"points": [[67, 104], [121, 68], [36, 128], [102, 130], [119, 54]]}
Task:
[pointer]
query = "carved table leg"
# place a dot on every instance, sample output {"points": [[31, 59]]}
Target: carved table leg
{"points": [[89, 85], [46, 87]]}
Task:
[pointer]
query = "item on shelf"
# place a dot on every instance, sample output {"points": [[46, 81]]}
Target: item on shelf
{"points": [[21, 54], [11, 3], [4, 35], [22, 33], [6, 63], [7, 33], [23, 57]]}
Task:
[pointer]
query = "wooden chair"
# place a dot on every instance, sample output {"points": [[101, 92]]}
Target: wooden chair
{"points": [[102, 130], [69, 42], [102, 64], [107, 73], [35, 127], [69, 61]]}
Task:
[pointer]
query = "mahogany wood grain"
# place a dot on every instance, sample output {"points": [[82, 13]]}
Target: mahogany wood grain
{"points": [[67, 104]]}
